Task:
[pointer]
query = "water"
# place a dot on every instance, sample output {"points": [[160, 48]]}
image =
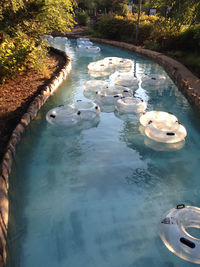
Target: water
{"points": [[95, 198]]}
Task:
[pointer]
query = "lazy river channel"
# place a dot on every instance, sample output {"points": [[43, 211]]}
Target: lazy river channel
{"points": [[96, 197]]}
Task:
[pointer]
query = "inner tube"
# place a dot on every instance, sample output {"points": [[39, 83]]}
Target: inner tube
{"points": [[84, 41], [153, 80], [87, 110], [110, 64], [173, 232], [124, 79], [131, 105], [160, 132], [111, 94], [64, 115], [90, 87], [120, 63], [107, 98], [99, 74], [73, 114], [88, 48], [162, 117]]}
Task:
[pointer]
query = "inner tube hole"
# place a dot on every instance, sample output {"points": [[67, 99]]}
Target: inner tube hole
{"points": [[170, 133], [187, 242]]}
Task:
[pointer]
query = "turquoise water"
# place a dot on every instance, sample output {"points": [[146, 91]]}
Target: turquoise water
{"points": [[95, 198]]}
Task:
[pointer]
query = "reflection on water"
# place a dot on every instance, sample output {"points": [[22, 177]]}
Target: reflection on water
{"points": [[94, 197]]}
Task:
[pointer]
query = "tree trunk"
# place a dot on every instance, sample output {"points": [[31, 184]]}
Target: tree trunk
{"points": [[138, 22]]}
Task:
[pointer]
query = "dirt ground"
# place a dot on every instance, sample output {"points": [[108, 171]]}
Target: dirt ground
{"points": [[16, 95]]}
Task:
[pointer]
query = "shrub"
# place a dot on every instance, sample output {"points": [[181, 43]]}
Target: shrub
{"points": [[19, 53], [189, 38], [83, 18], [123, 28]]}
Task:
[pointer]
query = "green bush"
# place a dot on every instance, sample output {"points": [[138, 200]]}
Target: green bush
{"points": [[123, 28], [189, 38], [83, 18], [19, 53]]}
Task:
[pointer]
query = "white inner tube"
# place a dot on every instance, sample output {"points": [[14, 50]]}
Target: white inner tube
{"points": [[98, 66], [63, 115], [131, 105], [173, 232], [88, 48], [107, 98], [119, 63], [98, 74], [84, 41], [71, 115], [124, 79], [111, 94], [92, 86], [154, 80], [161, 133], [110, 64], [159, 116], [87, 110]]}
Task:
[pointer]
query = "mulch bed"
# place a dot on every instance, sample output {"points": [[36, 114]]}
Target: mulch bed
{"points": [[17, 94]]}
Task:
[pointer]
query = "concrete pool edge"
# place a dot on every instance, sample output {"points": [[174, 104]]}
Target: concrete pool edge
{"points": [[182, 76], [15, 138]]}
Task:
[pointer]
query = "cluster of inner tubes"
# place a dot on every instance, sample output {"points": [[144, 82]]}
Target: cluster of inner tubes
{"points": [[109, 65], [73, 114], [84, 45]]}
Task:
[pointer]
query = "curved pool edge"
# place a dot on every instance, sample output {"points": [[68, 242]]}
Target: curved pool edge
{"points": [[185, 80], [15, 138]]}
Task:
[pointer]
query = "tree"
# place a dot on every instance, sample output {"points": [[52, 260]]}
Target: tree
{"points": [[183, 11], [35, 17], [138, 21], [22, 23], [117, 6]]}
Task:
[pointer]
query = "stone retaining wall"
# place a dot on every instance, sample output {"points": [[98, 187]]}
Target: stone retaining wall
{"points": [[186, 81], [9, 156]]}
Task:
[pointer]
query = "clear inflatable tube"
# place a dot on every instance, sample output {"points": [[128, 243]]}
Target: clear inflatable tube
{"points": [[124, 79], [73, 114], [88, 48], [107, 98], [173, 232], [160, 133], [111, 94], [153, 80], [87, 110], [162, 117], [84, 41], [110, 64], [131, 105], [63, 115], [92, 86]]}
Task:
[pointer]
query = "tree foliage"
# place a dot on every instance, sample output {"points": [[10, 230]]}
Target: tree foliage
{"points": [[117, 6], [22, 23], [183, 11], [35, 17]]}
